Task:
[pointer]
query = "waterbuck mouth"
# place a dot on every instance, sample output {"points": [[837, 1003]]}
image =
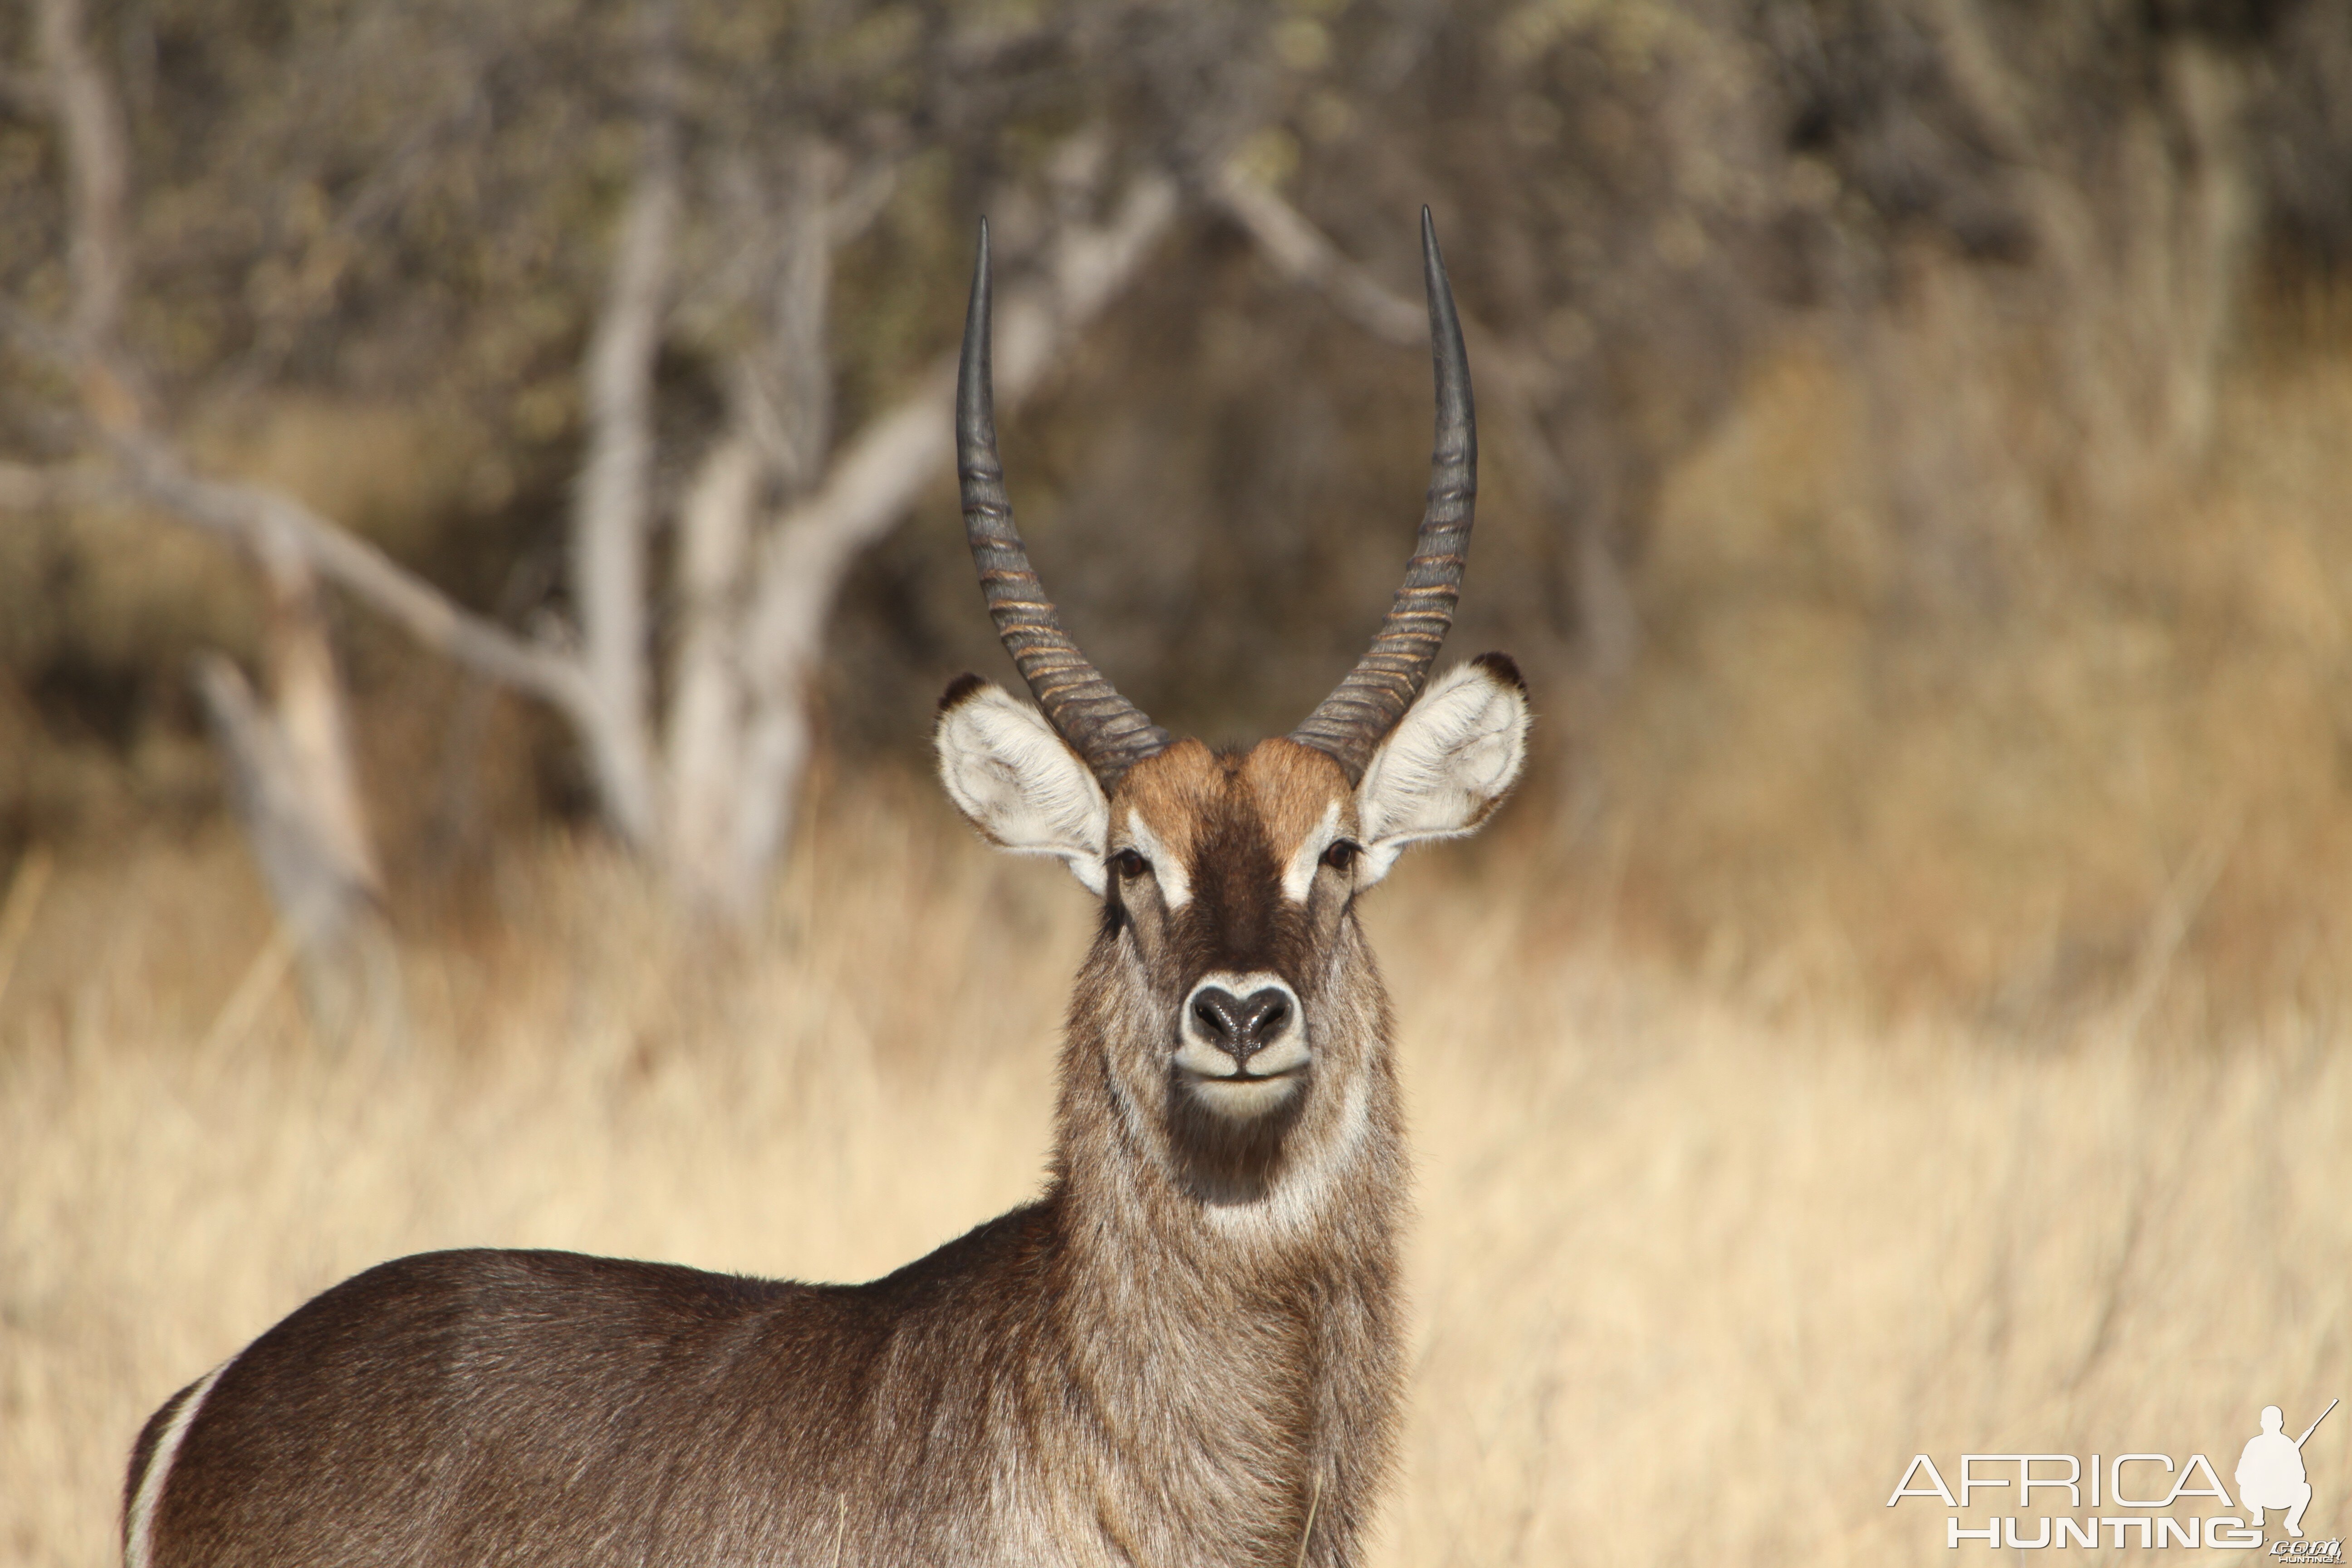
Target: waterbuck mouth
{"points": [[1244, 1096], [1281, 1075]]}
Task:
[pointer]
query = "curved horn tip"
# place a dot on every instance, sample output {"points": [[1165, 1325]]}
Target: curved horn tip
{"points": [[1445, 323], [975, 392]]}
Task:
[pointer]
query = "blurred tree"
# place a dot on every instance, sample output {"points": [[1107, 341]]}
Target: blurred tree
{"points": [[668, 287], [758, 153]]}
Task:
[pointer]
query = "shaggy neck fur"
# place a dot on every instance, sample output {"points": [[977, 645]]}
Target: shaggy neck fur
{"points": [[1253, 1282]]}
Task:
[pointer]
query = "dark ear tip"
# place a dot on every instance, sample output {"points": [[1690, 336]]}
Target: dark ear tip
{"points": [[958, 692], [1503, 667]]}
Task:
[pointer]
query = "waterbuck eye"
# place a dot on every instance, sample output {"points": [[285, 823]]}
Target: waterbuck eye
{"points": [[1129, 863], [1342, 855]]}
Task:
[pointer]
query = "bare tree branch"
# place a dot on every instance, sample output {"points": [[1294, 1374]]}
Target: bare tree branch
{"points": [[1310, 259], [868, 190], [736, 751], [1508, 377], [782, 391], [1511, 384], [248, 515], [142, 466], [705, 778], [884, 468], [872, 481]]}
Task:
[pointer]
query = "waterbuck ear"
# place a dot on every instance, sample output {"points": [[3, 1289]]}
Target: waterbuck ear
{"points": [[1016, 780], [1449, 762]]}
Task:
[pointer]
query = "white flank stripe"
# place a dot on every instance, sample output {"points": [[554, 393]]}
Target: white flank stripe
{"points": [[159, 1471]]}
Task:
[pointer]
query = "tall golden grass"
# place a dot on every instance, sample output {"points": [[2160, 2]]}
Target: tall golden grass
{"points": [[1692, 1277]]}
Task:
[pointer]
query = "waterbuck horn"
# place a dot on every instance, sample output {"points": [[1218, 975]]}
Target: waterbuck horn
{"points": [[1108, 732], [1357, 716]]}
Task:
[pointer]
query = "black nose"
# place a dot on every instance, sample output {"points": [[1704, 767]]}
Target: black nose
{"points": [[1240, 1027]]}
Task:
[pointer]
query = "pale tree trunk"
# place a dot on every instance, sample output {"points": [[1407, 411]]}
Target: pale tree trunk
{"points": [[89, 123], [788, 397], [723, 766], [705, 755], [297, 796], [742, 729], [613, 506]]}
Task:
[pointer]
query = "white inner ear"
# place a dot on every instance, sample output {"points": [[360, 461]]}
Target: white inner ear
{"points": [[1448, 763], [1016, 782]]}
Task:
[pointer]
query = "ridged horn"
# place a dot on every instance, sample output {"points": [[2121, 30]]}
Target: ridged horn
{"points": [[1110, 734], [1358, 715]]}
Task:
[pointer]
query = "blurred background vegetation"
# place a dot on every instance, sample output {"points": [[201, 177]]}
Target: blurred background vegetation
{"points": [[474, 484], [1916, 431]]}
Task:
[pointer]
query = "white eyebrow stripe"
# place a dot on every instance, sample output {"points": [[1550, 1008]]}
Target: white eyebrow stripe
{"points": [[1299, 877], [1175, 884]]}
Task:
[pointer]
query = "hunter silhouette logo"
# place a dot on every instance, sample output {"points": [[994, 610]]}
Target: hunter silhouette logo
{"points": [[2131, 1500], [2270, 1472]]}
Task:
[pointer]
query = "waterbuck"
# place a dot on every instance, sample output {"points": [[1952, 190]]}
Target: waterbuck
{"points": [[1185, 1352]]}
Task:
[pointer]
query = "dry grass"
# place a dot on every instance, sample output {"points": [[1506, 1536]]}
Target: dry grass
{"points": [[1690, 1284]]}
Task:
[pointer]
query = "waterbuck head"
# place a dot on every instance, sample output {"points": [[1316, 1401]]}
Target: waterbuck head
{"points": [[1230, 999]]}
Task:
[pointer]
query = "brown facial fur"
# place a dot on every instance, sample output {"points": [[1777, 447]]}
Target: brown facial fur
{"points": [[1232, 821], [1222, 826]]}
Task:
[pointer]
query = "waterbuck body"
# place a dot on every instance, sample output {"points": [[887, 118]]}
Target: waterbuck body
{"points": [[1185, 1352]]}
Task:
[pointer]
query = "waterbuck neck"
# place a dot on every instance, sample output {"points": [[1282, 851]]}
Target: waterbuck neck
{"points": [[1233, 1321]]}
